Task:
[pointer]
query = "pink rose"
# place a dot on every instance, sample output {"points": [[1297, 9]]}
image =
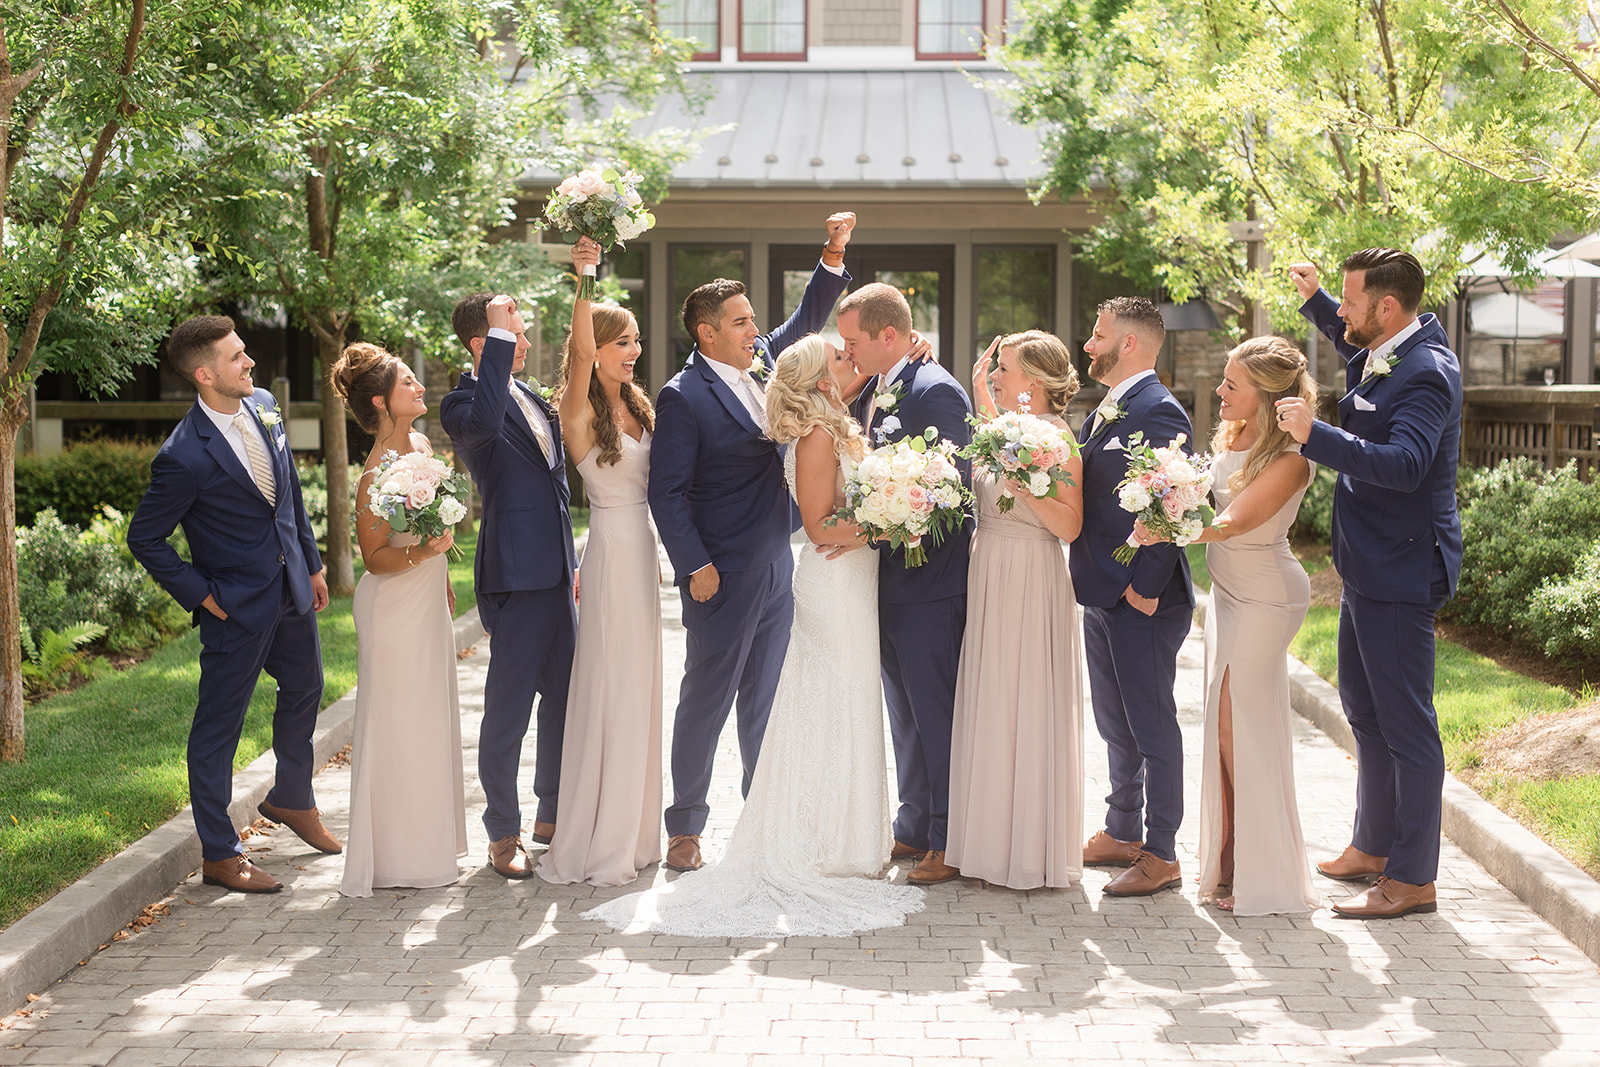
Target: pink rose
{"points": [[421, 495], [1172, 504], [589, 183], [1148, 479]]}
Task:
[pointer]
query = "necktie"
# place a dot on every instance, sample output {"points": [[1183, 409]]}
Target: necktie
{"points": [[540, 431], [260, 466], [755, 399]]}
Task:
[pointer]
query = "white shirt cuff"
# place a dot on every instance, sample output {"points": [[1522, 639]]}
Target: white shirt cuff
{"points": [[504, 335], [839, 270]]}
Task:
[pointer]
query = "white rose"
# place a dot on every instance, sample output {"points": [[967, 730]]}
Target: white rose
{"points": [[1107, 411], [397, 483], [1190, 530], [1134, 498], [898, 509], [1039, 483], [451, 511]]}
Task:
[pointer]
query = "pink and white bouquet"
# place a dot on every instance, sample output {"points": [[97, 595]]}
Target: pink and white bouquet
{"points": [[1024, 447], [419, 494], [1166, 488], [602, 204], [906, 492]]}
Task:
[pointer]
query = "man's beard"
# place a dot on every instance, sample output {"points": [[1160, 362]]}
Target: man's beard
{"points": [[1367, 332], [237, 390], [1101, 364]]}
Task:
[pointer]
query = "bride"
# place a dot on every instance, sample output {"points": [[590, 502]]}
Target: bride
{"points": [[814, 833]]}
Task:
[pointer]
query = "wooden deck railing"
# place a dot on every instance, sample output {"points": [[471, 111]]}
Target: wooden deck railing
{"points": [[1551, 424]]}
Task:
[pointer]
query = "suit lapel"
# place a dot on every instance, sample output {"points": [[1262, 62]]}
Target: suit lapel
{"points": [[724, 395], [221, 451], [530, 439]]}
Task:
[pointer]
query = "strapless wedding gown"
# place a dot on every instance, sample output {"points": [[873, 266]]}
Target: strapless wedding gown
{"points": [[813, 837]]}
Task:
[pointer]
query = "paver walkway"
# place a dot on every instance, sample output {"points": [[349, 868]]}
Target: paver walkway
{"points": [[488, 972]]}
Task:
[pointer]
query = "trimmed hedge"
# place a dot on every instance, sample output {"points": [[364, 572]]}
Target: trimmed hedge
{"points": [[76, 481]]}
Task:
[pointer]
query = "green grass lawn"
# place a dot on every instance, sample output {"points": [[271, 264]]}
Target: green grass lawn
{"points": [[105, 762]]}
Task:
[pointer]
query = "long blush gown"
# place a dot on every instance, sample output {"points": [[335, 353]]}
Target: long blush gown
{"points": [[1259, 595], [408, 819], [1016, 754], [610, 824]]}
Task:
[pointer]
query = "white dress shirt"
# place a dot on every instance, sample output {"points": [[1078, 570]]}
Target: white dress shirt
{"points": [[1386, 349], [745, 388], [231, 434], [1115, 394]]}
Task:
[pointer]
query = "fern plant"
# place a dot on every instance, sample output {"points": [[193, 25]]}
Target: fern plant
{"points": [[52, 661]]}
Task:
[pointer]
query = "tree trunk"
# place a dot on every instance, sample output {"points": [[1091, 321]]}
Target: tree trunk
{"points": [[339, 559], [12, 747]]}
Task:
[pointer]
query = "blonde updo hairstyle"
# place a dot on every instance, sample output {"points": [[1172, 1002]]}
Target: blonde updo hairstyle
{"points": [[610, 322], [795, 406], [364, 372], [1276, 368], [1044, 358]]}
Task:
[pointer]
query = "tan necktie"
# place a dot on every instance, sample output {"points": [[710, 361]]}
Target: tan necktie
{"points": [[536, 424], [260, 466], [758, 410]]}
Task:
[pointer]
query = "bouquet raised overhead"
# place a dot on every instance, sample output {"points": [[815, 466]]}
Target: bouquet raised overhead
{"points": [[602, 204]]}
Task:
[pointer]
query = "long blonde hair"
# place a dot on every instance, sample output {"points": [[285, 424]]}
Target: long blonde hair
{"points": [[610, 321], [1042, 357], [1276, 368], [795, 406]]}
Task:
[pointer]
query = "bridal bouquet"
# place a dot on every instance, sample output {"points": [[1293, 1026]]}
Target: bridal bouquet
{"points": [[1166, 489], [1024, 447], [603, 205], [420, 494], [905, 492]]}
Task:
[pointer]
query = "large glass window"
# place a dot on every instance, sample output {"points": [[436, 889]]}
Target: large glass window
{"points": [[695, 20], [693, 266], [949, 29], [1016, 291], [772, 29]]}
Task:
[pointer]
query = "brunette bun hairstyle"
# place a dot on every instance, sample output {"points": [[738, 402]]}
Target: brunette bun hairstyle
{"points": [[364, 373]]}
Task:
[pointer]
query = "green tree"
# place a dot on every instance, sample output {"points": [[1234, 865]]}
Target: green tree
{"points": [[374, 144], [1325, 121]]}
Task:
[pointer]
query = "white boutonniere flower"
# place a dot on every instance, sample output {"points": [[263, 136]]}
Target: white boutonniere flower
{"points": [[546, 393], [887, 398], [1377, 367], [758, 368], [1110, 412], [269, 417]]}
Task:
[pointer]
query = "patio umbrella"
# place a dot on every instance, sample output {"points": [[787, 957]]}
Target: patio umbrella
{"points": [[1510, 316], [1583, 248]]}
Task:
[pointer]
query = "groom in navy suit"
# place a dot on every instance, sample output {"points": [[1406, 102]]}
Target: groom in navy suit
{"points": [[718, 497], [254, 586], [922, 611], [511, 442], [1135, 615], [1397, 546]]}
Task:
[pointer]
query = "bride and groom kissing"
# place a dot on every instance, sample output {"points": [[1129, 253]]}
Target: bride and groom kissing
{"points": [[737, 464]]}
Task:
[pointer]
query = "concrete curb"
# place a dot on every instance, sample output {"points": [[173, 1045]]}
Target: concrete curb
{"points": [[42, 946]]}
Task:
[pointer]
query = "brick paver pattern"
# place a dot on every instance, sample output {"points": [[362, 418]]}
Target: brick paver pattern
{"points": [[490, 972]]}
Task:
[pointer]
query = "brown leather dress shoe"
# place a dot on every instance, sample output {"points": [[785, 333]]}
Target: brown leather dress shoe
{"points": [[238, 874], [932, 869], [1148, 873], [508, 858], [1103, 850], [903, 851], [683, 853], [1388, 899], [543, 832], [306, 824], [1353, 865]]}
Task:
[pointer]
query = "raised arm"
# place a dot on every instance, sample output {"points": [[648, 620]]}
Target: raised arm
{"points": [[577, 427], [822, 291]]}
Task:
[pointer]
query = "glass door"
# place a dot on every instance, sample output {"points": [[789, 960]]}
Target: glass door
{"points": [[924, 273]]}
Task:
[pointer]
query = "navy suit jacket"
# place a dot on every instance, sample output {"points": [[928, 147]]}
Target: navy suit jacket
{"points": [[241, 547], [716, 481], [928, 396], [1097, 578], [1396, 453], [525, 535]]}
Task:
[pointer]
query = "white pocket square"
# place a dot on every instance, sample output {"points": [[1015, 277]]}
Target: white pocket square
{"points": [[1362, 403], [281, 441]]}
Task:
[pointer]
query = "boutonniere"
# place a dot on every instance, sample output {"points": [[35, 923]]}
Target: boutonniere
{"points": [[1378, 366], [1109, 412], [758, 369], [547, 393], [887, 397], [269, 417]]}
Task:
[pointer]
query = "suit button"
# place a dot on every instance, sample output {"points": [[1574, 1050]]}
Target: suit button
{"points": [[281, 560]]}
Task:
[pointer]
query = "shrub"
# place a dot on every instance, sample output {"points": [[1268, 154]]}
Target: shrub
{"points": [[74, 482], [1564, 618], [314, 491], [1315, 518], [1520, 525]]}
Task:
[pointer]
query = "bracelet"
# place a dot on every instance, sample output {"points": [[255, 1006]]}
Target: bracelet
{"points": [[830, 254], [409, 561]]}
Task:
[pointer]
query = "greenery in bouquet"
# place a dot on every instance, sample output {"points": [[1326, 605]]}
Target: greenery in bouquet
{"points": [[419, 494], [1017, 446], [1166, 489], [602, 204], [907, 493]]}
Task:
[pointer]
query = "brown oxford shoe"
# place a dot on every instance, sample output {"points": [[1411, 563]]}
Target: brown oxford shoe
{"points": [[683, 853], [1148, 874], [932, 869], [238, 874], [306, 824], [1388, 899], [1103, 850], [543, 832], [508, 858], [1353, 865], [903, 851]]}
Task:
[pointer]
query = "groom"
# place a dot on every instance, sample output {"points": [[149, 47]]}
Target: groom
{"points": [[511, 442], [1136, 615], [1397, 545], [718, 497], [922, 611], [254, 585]]}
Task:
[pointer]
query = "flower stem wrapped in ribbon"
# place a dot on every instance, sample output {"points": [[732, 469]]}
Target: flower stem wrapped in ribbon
{"points": [[602, 204], [906, 493], [1021, 447], [419, 494], [1166, 488]]}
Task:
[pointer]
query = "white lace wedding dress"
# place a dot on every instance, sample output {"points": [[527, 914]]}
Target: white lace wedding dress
{"points": [[813, 837]]}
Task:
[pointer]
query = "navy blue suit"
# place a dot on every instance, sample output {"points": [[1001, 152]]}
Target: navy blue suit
{"points": [[717, 494], [522, 575], [922, 614], [1133, 657], [1397, 546], [256, 560]]}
